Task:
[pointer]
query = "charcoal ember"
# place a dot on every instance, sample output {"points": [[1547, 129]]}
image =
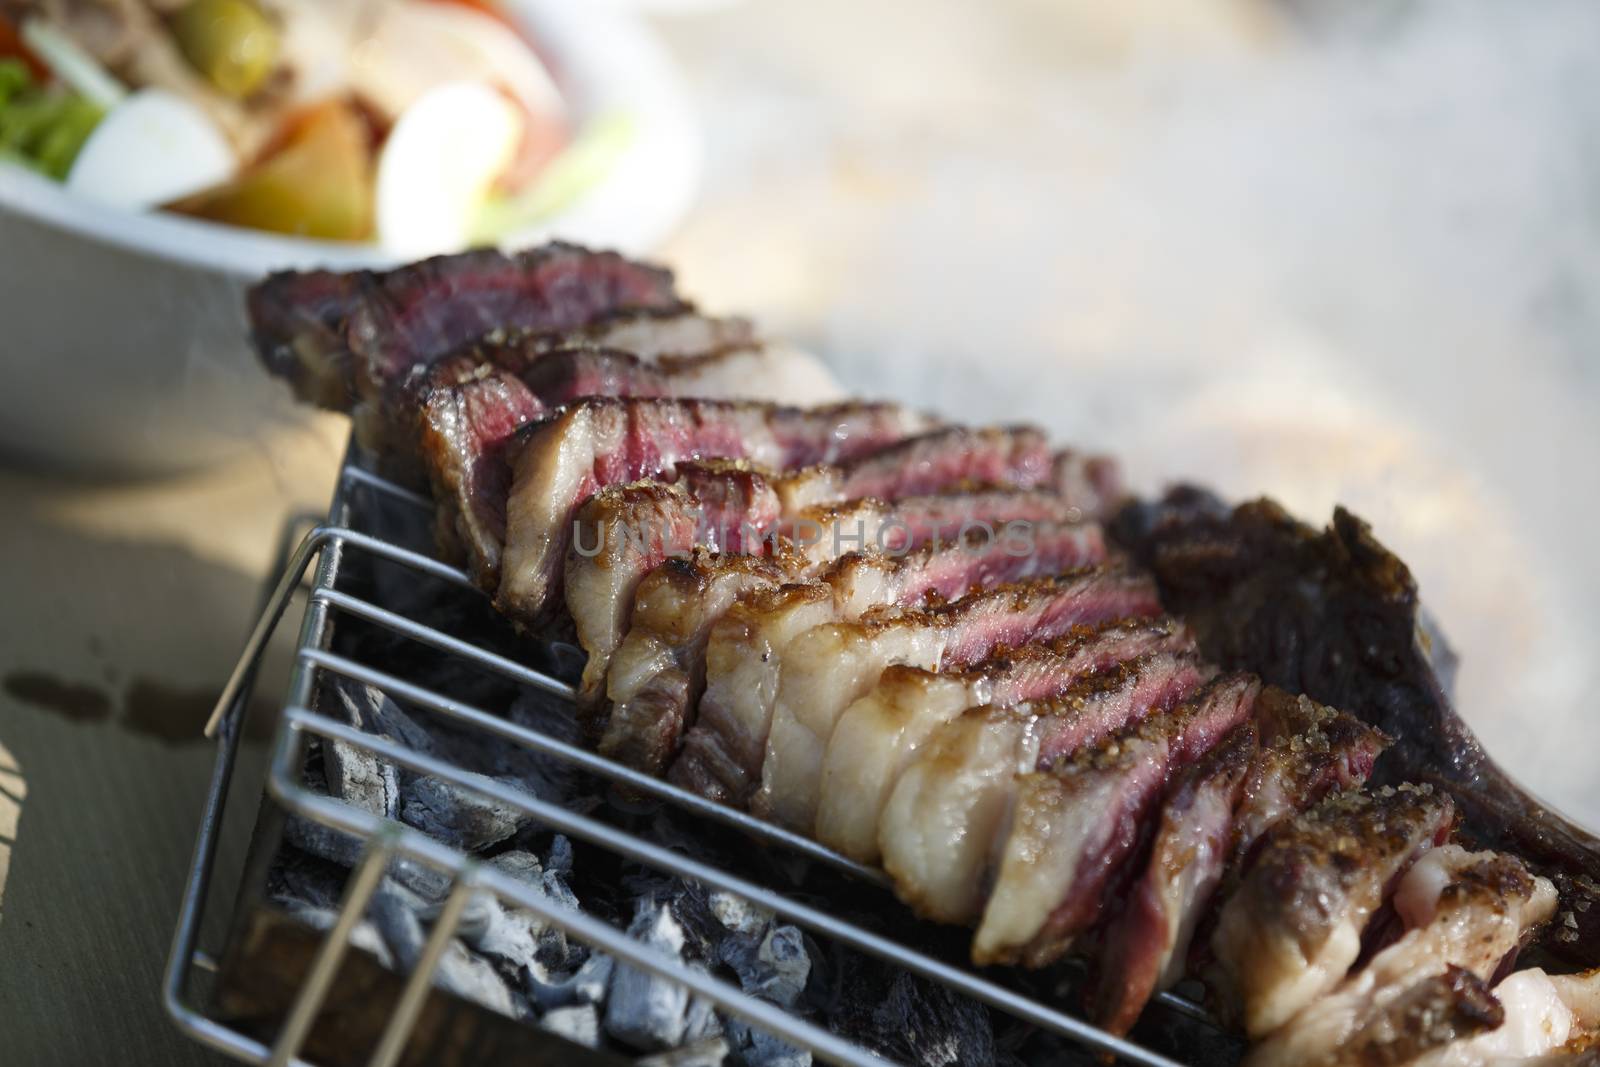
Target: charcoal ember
{"points": [[750, 1047], [737, 914], [711, 1052], [323, 842], [897, 1015], [519, 864], [369, 708], [578, 1023], [702, 1021], [458, 815], [559, 859], [360, 778], [546, 777], [506, 935], [644, 1011], [397, 914], [586, 985], [774, 967]]}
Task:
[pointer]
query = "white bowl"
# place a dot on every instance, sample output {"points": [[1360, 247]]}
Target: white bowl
{"points": [[123, 334]]}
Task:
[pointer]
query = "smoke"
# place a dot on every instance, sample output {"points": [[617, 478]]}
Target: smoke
{"points": [[1330, 251]]}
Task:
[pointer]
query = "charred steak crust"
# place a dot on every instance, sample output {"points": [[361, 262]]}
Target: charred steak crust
{"points": [[1336, 615]]}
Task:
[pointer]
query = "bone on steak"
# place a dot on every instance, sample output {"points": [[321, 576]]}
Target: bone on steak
{"points": [[1077, 824], [1294, 926], [829, 667], [565, 459], [1335, 615], [664, 651]]}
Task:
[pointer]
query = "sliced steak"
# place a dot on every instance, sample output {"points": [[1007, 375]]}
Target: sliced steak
{"points": [[856, 581], [948, 815], [1464, 912], [1293, 928], [829, 667], [1077, 824], [879, 735], [1334, 614], [1551, 1020], [658, 670], [1299, 751], [1146, 944], [565, 459], [1016, 457], [1307, 751], [625, 532], [354, 342]]}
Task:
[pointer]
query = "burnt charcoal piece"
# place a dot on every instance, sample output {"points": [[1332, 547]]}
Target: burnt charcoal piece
{"points": [[1335, 615]]}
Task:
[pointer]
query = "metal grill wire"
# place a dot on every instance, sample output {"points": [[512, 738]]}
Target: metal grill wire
{"points": [[384, 840]]}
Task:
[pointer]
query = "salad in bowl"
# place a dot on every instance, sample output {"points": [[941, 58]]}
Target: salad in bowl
{"points": [[158, 155]]}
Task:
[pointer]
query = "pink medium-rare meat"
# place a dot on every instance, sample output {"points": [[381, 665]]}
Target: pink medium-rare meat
{"points": [[722, 754], [472, 403], [1307, 751], [358, 337], [567, 458], [1077, 825], [1094, 482], [1014, 457], [720, 509], [878, 736], [466, 413], [1212, 819], [625, 532], [1293, 928], [1463, 911], [941, 831], [829, 667], [1145, 945], [663, 655]]}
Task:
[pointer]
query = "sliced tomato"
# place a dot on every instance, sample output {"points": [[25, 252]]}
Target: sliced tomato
{"points": [[11, 47]]}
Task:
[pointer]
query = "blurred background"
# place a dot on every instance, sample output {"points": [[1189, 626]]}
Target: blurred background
{"points": [[1327, 250]]}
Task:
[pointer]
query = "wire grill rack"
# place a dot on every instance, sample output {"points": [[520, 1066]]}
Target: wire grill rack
{"points": [[330, 545]]}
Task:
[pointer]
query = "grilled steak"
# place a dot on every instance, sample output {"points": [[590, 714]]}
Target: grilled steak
{"points": [[879, 735], [669, 654], [1335, 615], [829, 667], [1550, 1021], [624, 532], [564, 460], [1146, 944], [1293, 928], [946, 818], [343, 338], [1017, 457], [657, 671], [1464, 911], [1077, 824]]}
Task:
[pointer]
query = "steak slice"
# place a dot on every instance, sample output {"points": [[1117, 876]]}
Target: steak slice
{"points": [[1145, 945], [625, 532], [943, 825], [1293, 928], [1297, 751], [1465, 912], [879, 735], [669, 654], [722, 754], [1334, 614], [829, 667], [343, 338], [657, 671], [1077, 824], [1551, 1020], [1015, 457], [565, 459]]}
